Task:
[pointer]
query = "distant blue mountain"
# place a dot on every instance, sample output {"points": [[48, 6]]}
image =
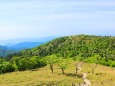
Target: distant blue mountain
{"points": [[25, 45], [16, 41], [15, 45], [6, 51]]}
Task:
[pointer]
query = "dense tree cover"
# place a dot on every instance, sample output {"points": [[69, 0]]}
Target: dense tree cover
{"points": [[93, 49], [4, 51], [79, 45], [98, 60], [20, 63], [27, 63]]}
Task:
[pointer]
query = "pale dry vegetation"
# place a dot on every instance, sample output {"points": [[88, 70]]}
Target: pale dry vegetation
{"points": [[103, 76]]}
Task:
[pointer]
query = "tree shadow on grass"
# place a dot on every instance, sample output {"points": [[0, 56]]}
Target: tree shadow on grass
{"points": [[34, 69], [52, 83], [73, 75]]}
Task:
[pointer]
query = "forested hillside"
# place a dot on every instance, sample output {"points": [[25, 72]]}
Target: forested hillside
{"points": [[25, 45], [79, 45], [92, 49], [15, 45], [4, 51], [7, 50]]}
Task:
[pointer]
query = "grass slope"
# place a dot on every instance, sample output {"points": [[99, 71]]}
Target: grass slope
{"points": [[103, 76]]}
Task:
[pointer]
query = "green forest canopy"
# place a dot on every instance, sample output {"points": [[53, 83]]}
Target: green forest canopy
{"points": [[78, 45], [93, 49]]}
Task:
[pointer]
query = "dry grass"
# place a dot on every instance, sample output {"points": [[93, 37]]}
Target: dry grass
{"points": [[103, 76]]}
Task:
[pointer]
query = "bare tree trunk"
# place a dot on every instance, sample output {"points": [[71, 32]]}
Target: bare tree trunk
{"points": [[78, 67], [93, 70], [63, 71], [51, 67], [96, 65], [52, 71], [76, 70]]}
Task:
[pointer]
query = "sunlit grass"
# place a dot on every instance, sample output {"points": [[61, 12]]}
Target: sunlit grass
{"points": [[103, 76]]}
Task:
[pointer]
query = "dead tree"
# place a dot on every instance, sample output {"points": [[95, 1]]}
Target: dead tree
{"points": [[78, 68]]}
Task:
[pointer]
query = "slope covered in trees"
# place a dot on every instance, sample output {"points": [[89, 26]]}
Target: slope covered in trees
{"points": [[72, 46], [15, 45], [92, 49], [4, 51]]}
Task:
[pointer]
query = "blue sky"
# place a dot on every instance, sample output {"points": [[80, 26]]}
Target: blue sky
{"points": [[42, 18]]}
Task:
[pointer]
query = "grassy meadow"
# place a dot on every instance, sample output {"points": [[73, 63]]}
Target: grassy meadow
{"points": [[103, 76]]}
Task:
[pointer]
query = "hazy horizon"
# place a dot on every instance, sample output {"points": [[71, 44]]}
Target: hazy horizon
{"points": [[35, 19], [22, 40]]}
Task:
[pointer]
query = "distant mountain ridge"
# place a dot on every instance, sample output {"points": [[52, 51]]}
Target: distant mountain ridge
{"points": [[16, 45], [25, 45], [78, 45], [16, 41], [4, 51]]}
